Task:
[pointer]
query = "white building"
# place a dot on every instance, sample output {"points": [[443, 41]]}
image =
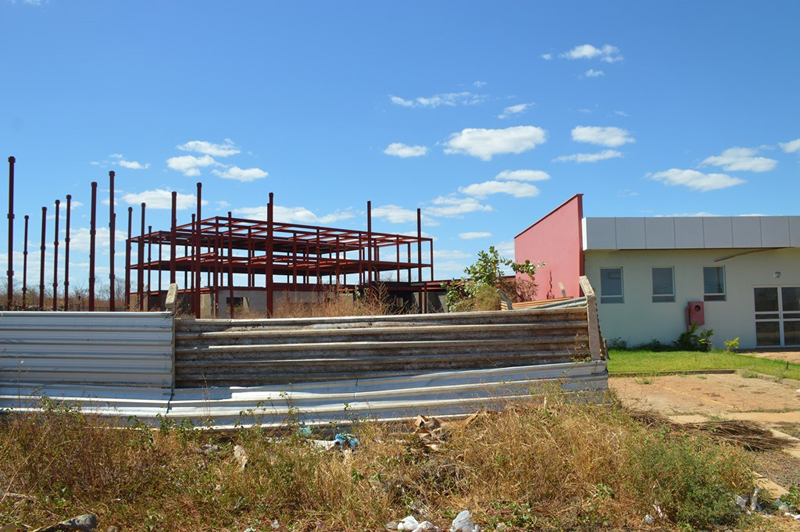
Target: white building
{"points": [[743, 271]]}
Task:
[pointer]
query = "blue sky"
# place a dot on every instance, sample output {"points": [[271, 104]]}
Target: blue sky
{"points": [[484, 114]]}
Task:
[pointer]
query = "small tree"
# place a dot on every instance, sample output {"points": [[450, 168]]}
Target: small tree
{"points": [[478, 290]]}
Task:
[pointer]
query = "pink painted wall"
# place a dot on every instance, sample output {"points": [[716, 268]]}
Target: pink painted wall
{"points": [[556, 240]]}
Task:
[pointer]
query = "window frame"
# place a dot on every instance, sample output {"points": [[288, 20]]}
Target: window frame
{"points": [[723, 296], [613, 299], [663, 298]]}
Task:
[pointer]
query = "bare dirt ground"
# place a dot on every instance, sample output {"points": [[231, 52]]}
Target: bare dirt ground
{"points": [[714, 395]]}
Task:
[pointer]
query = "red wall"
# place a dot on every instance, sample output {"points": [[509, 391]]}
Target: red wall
{"points": [[557, 241]]}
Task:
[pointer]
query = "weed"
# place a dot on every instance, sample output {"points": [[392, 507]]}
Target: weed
{"points": [[556, 465]]}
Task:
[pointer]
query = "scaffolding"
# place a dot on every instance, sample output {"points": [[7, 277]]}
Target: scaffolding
{"points": [[214, 254]]}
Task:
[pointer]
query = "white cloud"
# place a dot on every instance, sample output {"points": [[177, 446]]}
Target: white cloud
{"points": [[513, 188], [589, 157], [449, 266], [695, 180], [394, 214], [241, 174], [546, 57], [161, 199], [445, 254], [299, 215], [189, 165], [449, 99], [455, 207], [592, 73], [585, 111], [506, 249], [515, 109], [486, 143], [627, 193], [472, 235], [621, 113], [741, 159], [399, 149], [225, 149], [80, 239], [523, 175], [608, 53], [221, 204], [791, 146], [133, 165], [479, 84], [610, 137]]}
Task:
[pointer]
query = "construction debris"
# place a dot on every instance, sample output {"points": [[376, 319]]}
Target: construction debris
{"points": [[747, 434]]}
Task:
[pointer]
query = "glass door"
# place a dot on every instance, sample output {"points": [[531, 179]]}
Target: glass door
{"points": [[777, 312]]}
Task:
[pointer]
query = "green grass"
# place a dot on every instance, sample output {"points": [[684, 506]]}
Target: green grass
{"points": [[652, 363]]}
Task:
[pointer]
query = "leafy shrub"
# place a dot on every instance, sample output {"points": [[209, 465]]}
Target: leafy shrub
{"points": [[691, 340], [731, 345], [478, 289]]}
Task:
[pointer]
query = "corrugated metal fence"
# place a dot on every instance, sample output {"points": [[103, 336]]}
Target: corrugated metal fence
{"points": [[320, 370], [87, 348]]}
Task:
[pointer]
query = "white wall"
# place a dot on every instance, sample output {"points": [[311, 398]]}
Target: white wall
{"points": [[638, 320]]}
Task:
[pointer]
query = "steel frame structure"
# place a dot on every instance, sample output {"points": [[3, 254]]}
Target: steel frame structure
{"points": [[271, 255], [277, 256]]}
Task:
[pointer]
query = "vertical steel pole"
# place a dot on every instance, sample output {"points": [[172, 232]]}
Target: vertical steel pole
{"points": [[149, 264], [140, 260], [198, 280], [369, 244], [431, 259], [419, 260], [216, 267], [230, 262], [270, 237], [55, 259], [25, 267], [112, 226], [66, 254], [191, 262], [10, 304], [41, 258], [128, 261], [159, 271], [92, 245], [172, 237]]}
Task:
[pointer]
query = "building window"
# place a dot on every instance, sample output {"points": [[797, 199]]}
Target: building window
{"points": [[611, 285], [714, 283], [663, 285]]}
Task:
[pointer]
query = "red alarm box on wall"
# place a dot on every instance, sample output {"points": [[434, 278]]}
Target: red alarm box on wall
{"points": [[695, 314]]}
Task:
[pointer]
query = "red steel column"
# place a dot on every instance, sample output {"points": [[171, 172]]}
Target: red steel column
{"points": [[41, 259], [197, 277], [270, 237], [172, 237], [369, 243], [149, 264], [55, 258], [140, 260], [92, 245], [66, 254], [10, 304], [112, 225], [25, 267], [230, 263], [128, 261]]}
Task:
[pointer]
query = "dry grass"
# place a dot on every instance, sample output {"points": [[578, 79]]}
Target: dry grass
{"points": [[334, 302], [547, 466]]}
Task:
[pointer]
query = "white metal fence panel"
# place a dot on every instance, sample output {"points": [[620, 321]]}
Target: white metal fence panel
{"points": [[89, 348]]}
